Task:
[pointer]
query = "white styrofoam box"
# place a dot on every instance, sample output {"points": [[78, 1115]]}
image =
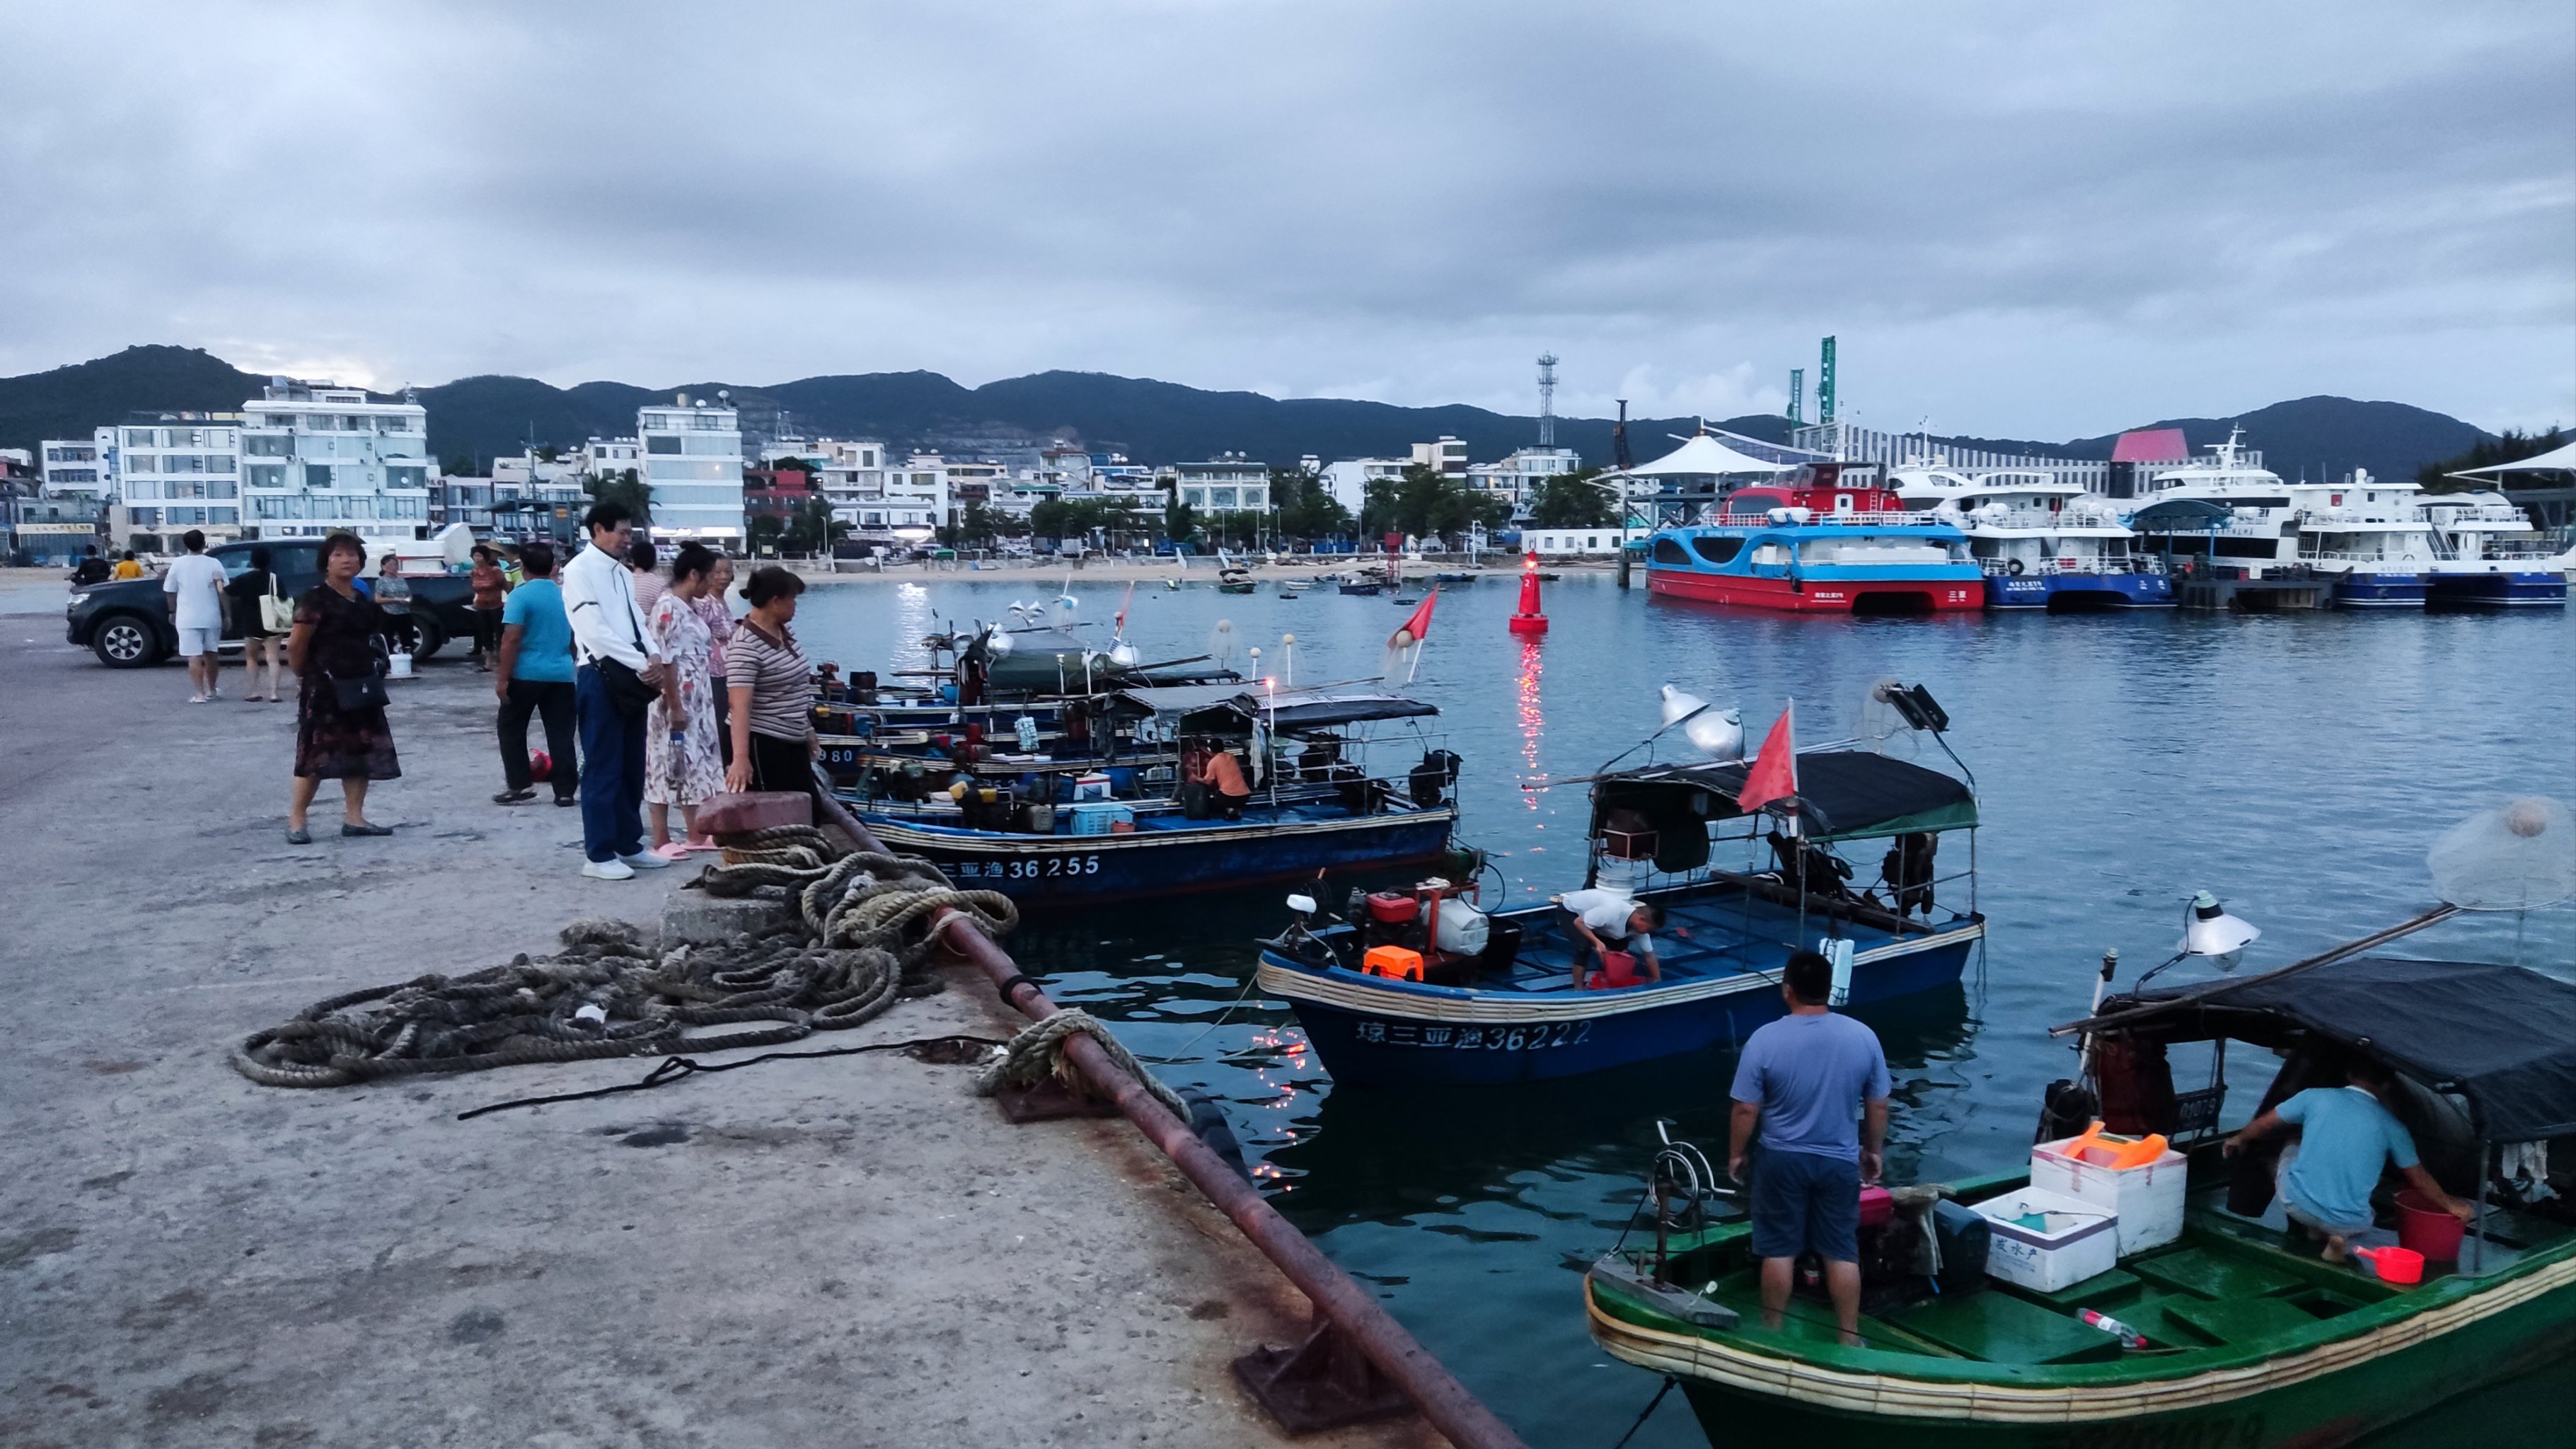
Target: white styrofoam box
{"points": [[1091, 787], [2079, 1240], [2148, 1198]]}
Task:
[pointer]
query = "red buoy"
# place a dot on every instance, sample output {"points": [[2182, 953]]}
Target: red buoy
{"points": [[1529, 620]]}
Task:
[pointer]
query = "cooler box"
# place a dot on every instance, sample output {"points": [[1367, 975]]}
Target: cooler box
{"points": [[2045, 1241], [2148, 1197], [1102, 817], [1091, 787]]}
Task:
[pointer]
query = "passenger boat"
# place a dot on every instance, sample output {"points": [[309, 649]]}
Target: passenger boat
{"points": [[2488, 555], [2043, 544], [1363, 588], [1496, 998], [2367, 535], [1093, 810], [1822, 537], [2147, 1288]]}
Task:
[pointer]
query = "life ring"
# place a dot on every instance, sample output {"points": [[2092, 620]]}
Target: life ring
{"points": [[2013, 567], [2409, 558]]}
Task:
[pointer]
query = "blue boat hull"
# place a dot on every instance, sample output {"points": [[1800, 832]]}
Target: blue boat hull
{"points": [[2379, 591], [2118, 591], [2518, 589], [1417, 1048], [1088, 870]]}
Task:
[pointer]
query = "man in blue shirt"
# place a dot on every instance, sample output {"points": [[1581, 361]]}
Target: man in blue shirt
{"points": [[2347, 1136], [535, 674], [1816, 1084]]}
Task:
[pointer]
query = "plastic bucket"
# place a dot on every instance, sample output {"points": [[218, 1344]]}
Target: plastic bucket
{"points": [[2394, 1265], [2426, 1229]]}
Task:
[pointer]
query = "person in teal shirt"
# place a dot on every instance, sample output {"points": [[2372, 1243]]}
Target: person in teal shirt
{"points": [[2347, 1136], [534, 676]]}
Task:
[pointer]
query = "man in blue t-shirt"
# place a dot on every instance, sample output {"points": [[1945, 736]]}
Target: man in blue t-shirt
{"points": [[2347, 1136], [1816, 1084], [535, 675]]}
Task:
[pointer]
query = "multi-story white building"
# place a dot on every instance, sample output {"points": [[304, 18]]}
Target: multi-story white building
{"points": [[317, 459], [533, 497], [1513, 479], [1348, 480], [1231, 483], [609, 457], [174, 472], [71, 466], [1447, 457], [693, 463]]}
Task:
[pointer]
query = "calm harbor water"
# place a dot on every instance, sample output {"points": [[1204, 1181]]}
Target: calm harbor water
{"points": [[2299, 766]]}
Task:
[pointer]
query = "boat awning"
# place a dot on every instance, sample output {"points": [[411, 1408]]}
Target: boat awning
{"points": [[1842, 794], [2502, 1036], [1703, 455], [1180, 699], [2180, 513], [1293, 711]]}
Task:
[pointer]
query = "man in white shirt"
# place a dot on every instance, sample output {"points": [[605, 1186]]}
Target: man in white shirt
{"points": [[609, 638], [1598, 922], [193, 590]]}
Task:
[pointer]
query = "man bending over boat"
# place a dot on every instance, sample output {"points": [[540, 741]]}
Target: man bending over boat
{"points": [[1602, 921], [2346, 1135], [1816, 1084]]}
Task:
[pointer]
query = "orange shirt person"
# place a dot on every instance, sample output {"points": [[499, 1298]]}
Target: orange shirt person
{"points": [[1225, 777]]}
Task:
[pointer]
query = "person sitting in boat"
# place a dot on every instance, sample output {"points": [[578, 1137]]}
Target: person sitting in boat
{"points": [[2346, 1136], [1907, 870], [1810, 868], [1601, 923], [1804, 1080], [1227, 791]]}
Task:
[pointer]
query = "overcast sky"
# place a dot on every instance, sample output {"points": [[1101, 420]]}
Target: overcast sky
{"points": [[2031, 219]]}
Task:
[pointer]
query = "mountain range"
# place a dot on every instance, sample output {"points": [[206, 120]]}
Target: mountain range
{"points": [[475, 418]]}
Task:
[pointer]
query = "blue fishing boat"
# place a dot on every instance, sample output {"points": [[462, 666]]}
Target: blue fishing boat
{"points": [[1110, 809], [1501, 998], [1821, 538]]}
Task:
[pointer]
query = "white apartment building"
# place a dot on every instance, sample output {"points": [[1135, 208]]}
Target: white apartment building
{"points": [[1348, 480], [693, 463], [72, 466], [1515, 477], [883, 501], [174, 472], [1232, 483], [1447, 457], [530, 495], [317, 458], [609, 457]]}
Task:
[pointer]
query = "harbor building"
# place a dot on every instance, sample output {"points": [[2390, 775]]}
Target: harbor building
{"points": [[1230, 483], [1513, 479], [1447, 456], [177, 471], [317, 458], [534, 497], [70, 465], [1348, 480], [692, 453]]}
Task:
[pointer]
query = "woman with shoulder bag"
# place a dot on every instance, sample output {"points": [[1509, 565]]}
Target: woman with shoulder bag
{"points": [[265, 617], [340, 728]]}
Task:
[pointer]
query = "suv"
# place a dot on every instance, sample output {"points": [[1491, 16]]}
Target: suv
{"points": [[127, 623]]}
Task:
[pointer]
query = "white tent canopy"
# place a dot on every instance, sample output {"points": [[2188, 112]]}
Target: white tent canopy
{"points": [[1704, 455], [2556, 460]]}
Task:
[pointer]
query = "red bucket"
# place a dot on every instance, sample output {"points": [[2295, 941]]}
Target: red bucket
{"points": [[2426, 1229]]}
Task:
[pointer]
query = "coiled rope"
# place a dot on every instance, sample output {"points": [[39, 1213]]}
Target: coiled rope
{"points": [[1038, 1052], [864, 933]]}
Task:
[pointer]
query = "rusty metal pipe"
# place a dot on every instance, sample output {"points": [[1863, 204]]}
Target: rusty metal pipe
{"points": [[1446, 1403]]}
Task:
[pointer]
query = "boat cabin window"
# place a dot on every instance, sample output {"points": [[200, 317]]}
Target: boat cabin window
{"points": [[1717, 548], [1771, 553], [1669, 552]]}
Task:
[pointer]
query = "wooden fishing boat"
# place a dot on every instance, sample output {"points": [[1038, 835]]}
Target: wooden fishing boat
{"points": [[2236, 1331], [1508, 1007]]}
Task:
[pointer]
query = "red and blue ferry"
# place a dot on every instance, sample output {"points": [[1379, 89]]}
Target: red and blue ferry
{"points": [[1497, 998], [1820, 538]]}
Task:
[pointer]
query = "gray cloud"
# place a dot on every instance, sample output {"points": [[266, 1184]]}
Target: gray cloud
{"points": [[2018, 217]]}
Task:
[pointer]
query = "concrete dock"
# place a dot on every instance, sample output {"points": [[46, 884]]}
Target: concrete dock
{"points": [[850, 1251]]}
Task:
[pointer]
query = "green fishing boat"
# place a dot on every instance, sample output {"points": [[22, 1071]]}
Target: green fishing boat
{"points": [[2232, 1331]]}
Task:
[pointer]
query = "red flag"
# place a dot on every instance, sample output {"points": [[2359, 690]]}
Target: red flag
{"points": [[1774, 775], [1419, 626]]}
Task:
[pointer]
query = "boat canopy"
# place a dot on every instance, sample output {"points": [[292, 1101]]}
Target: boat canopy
{"points": [[1287, 709], [2504, 1037], [1843, 794]]}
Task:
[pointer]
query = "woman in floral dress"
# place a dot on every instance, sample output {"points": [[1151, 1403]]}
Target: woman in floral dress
{"points": [[681, 762]]}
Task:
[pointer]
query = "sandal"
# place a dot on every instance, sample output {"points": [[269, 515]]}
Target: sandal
{"points": [[299, 836], [514, 797], [365, 829]]}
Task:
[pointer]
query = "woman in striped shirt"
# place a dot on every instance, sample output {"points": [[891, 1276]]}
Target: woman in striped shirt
{"points": [[773, 690]]}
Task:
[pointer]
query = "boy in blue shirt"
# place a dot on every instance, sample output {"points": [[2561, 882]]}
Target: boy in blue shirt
{"points": [[2346, 1136]]}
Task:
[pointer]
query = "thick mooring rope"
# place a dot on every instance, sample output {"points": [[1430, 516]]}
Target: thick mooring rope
{"points": [[864, 931], [1038, 1052]]}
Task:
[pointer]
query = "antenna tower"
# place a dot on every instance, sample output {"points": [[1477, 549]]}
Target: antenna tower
{"points": [[1825, 385], [1797, 396], [1547, 399]]}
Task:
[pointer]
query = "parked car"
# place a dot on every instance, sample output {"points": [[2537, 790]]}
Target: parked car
{"points": [[126, 623]]}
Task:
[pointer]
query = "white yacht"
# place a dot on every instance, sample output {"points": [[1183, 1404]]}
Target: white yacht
{"points": [[2488, 554], [2368, 535], [2043, 544]]}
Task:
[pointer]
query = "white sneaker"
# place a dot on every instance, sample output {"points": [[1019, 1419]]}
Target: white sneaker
{"points": [[607, 870], [196, 699], [645, 860]]}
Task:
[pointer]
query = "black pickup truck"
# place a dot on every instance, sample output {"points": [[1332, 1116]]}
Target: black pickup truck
{"points": [[127, 622]]}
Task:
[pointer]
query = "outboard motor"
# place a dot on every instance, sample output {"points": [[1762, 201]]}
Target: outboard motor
{"points": [[1432, 778]]}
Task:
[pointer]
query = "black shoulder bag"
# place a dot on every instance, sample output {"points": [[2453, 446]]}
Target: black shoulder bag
{"points": [[627, 691]]}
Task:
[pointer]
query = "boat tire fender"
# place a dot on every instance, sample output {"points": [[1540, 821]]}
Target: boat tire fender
{"points": [[2013, 567]]}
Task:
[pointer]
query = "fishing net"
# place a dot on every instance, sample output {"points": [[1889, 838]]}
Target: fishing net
{"points": [[2516, 857]]}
